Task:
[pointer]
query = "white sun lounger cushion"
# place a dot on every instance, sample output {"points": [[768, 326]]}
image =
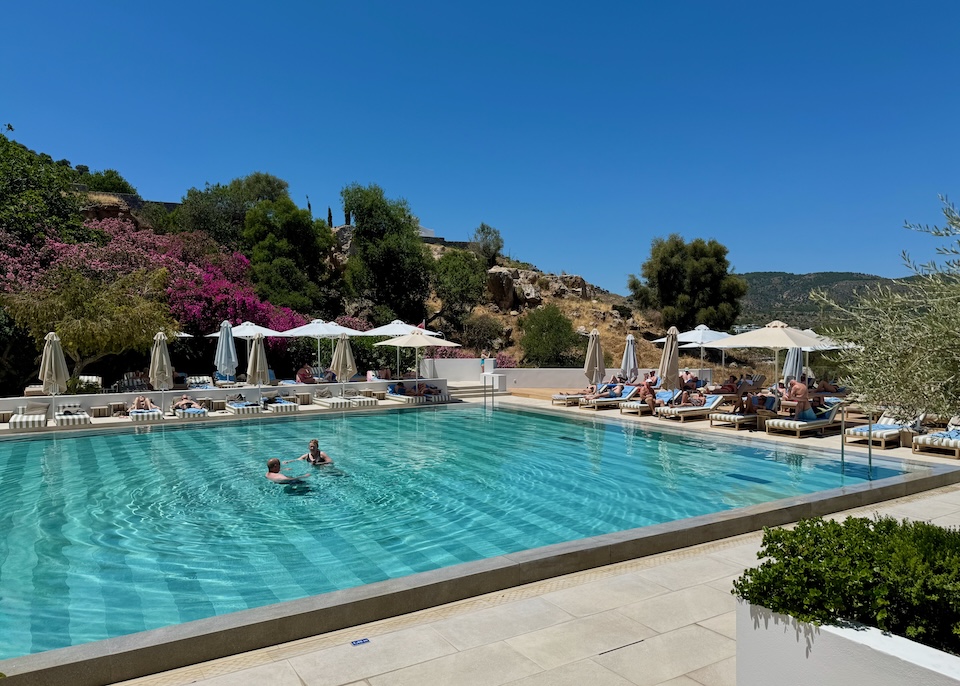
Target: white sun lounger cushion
{"points": [[243, 408], [27, 422], [191, 412], [71, 414], [282, 407]]}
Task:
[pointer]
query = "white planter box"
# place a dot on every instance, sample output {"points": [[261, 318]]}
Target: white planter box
{"points": [[777, 649]]}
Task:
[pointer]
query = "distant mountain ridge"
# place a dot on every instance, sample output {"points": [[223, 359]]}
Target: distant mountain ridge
{"points": [[784, 296]]}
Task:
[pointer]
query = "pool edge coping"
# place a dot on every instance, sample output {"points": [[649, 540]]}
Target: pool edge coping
{"points": [[181, 645]]}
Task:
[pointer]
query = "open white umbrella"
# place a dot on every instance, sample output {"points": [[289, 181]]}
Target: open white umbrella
{"points": [[53, 367], [397, 328], [342, 363], [629, 367], [257, 369], [593, 367], [418, 339], [697, 337], [161, 369], [669, 371], [320, 329], [774, 336], [225, 359]]}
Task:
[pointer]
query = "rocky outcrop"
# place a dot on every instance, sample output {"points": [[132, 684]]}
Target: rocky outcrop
{"points": [[519, 289]]}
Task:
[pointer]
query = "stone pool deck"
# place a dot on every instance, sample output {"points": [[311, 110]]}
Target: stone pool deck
{"points": [[665, 619]]}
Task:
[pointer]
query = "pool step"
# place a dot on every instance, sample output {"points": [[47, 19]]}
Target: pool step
{"points": [[469, 390]]}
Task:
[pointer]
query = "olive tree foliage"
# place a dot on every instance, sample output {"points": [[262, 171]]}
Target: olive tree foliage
{"points": [[901, 351], [390, 265], [460, 282], [95, 317], [106, 181], [221, 210], [690, 283], [548, 338], [487, 244], [35, 195]]}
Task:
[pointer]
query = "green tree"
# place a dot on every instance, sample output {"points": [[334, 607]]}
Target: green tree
{"points": [[221, 210], [901, 350], [106, 181], [390, 266], [288, 251], [487, 243], [549, 339], [93, 317], [690, 283], [481, 331], [35, 195], [460, 282], [157, 217]]}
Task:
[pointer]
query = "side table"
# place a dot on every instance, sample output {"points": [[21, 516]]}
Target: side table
{"points": [[117, 407], [303, 398], [100, 411], [5, 416]]}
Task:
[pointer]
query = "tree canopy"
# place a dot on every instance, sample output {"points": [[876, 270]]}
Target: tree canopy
{"points": [[487, 244], [390, 265], [460, 282], [549, 339], [690, 283], [221, 210], [902, 352]]}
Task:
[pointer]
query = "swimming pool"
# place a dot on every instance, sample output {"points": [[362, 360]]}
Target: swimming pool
{"points": [[107, 534]]}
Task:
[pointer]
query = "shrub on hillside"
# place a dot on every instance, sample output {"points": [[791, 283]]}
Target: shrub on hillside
{"points": [[480, 331], [901, 577]]}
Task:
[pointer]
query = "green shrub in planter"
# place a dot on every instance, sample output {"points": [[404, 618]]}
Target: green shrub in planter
{"points": [[901, 577]]}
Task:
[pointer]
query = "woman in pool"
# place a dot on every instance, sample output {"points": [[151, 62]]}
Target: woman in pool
{"points": [[313, 455]]}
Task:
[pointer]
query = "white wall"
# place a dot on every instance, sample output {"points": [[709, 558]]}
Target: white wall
{"points": [[777, 649]]}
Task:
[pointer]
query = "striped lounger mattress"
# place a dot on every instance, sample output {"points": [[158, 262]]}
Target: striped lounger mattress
{"points": [[71, 415], [27, 422], [281, 407], [146, 415], [191, 412], [728, 419], [337, 403], [243, 408], [409, 399], [363, 401]]}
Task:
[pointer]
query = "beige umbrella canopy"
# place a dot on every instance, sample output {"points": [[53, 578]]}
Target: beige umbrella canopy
{"points": [[257, 368], [418, 339], [593, 367], [774, 336], [669, 371], [342, 363], [53, 366]]}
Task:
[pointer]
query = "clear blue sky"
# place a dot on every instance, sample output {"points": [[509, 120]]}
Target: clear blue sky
{"points": [[799, 135]]}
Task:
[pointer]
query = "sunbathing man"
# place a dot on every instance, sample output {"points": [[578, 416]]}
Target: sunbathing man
{"points": [[692, 399], [305, 374], [313, 455], [614, 392], [185, 403], [825, 386], [142, 402], [730, 386], [273, 473]]}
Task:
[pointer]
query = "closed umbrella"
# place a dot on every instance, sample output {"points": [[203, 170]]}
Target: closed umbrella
{"points": [[53, 367], [342, 364], [161, 369], [629, 367], [593, 367], [226, 358], [257, 371], [669, 371], [418, 339], [793, 364]]}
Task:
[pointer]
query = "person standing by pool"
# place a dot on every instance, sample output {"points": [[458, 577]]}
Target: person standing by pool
{"points": [[273, 473], [313, 455]]}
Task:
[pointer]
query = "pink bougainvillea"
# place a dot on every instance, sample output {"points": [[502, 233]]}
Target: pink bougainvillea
{"points": [[353, 323], [505, 361]]}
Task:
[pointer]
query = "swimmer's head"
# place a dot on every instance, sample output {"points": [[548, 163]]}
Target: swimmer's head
{"points": [[273, 464], [314, 443]]}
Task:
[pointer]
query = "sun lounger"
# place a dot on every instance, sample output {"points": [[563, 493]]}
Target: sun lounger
{"points": [[685, 412], [191, 412], [641, 407], [409, 399], [884, 431], [826, 420], [597, 403], [146, 415], [947, 440], [242, 407], [199, 382], [333, 403], [29, 417], [572, 398], [280, 406], [730, 420], [71, 414], [363, 401]]}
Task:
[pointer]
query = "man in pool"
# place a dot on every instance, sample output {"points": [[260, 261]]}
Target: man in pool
{"points": [[314, 455], [273, 473]]}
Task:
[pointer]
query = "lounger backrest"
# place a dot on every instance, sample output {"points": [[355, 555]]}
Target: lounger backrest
{"points": [[829, 413], [628, 392], [666, 396], [711, 401]]}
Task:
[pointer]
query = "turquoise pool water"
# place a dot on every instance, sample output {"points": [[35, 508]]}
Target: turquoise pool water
{"points": [[112, 533]]}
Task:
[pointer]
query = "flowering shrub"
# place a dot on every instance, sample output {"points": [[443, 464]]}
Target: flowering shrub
{"points": [[353, 323], [505, 361], [445, 353]]}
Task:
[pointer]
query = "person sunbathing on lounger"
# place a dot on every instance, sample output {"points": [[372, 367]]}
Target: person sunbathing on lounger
{"points": [[614, 392], [313, 455], [825, 386], [186, 403], [142, 402], [692, 399], [305, 374], [273, 473]]}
